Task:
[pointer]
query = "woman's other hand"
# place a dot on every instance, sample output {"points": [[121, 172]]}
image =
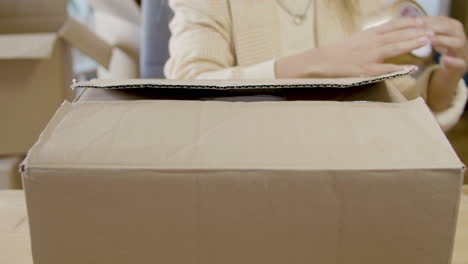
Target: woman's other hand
{"points": [[451, 42], [363, 54]]}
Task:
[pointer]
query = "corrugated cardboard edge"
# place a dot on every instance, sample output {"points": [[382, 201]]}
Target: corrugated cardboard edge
{"points": [[237, 84]]}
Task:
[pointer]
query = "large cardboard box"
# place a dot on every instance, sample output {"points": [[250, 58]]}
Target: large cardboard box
{"points": [[203, 181], [36, 68], [14, 233]]}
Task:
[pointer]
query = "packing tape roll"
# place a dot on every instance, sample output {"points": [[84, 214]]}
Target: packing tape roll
{"points": [[399, 9]]}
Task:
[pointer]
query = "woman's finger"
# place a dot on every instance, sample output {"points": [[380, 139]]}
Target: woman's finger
{"points": [[449, 42], [452, 46], [443, 50], [397, 49], [444, 26], [398, 24], [391, 38], [453, 64]]}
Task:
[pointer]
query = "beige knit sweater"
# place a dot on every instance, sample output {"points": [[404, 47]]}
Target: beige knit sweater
{"points": [[240, 39]]}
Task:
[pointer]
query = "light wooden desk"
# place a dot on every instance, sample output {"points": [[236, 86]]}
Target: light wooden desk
{"points": [[15, 244]]}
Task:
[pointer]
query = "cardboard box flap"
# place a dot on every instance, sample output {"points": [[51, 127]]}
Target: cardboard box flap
{"points": [[87, 41], [27, 46], [32, 16], [34, 24], [211, 135], [238, 84]]}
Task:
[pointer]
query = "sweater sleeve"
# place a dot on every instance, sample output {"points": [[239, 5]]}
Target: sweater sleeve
{"points": [[412, 88], [201, 45]]}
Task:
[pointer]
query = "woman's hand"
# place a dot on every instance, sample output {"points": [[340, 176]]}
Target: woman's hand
{"points": [[451, 42], [363, 54]]}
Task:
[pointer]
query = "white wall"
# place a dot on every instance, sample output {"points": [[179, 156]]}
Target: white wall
{"points": [[432, 6], [435, 7]]}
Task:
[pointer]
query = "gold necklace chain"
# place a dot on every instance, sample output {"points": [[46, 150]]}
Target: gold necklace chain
{"points": [[297, 18]]}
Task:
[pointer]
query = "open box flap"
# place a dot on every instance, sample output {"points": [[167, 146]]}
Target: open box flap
{"points": [[237, 84], [86, 40], [40, 45], [121, 9], [27, 46]]}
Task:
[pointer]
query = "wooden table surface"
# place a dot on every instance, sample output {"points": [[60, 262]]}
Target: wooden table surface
{"points": [[15, 244]]}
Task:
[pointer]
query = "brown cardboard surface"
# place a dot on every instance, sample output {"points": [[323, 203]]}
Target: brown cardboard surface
{"points": [[199, 132], [17, 248], [235, 182], [460, 254], [15, 244], [239, 84]]}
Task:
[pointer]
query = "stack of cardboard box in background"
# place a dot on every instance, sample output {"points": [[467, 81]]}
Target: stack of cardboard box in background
{"points": [[35, 68], [36, 72]]}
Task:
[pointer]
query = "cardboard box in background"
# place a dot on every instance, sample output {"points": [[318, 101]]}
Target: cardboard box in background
{"points": [[178, 181], [9, 172], [34, 70], [36, 66]]}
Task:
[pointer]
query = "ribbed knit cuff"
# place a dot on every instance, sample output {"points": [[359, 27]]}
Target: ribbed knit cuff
{"points": [[263, 70]]}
